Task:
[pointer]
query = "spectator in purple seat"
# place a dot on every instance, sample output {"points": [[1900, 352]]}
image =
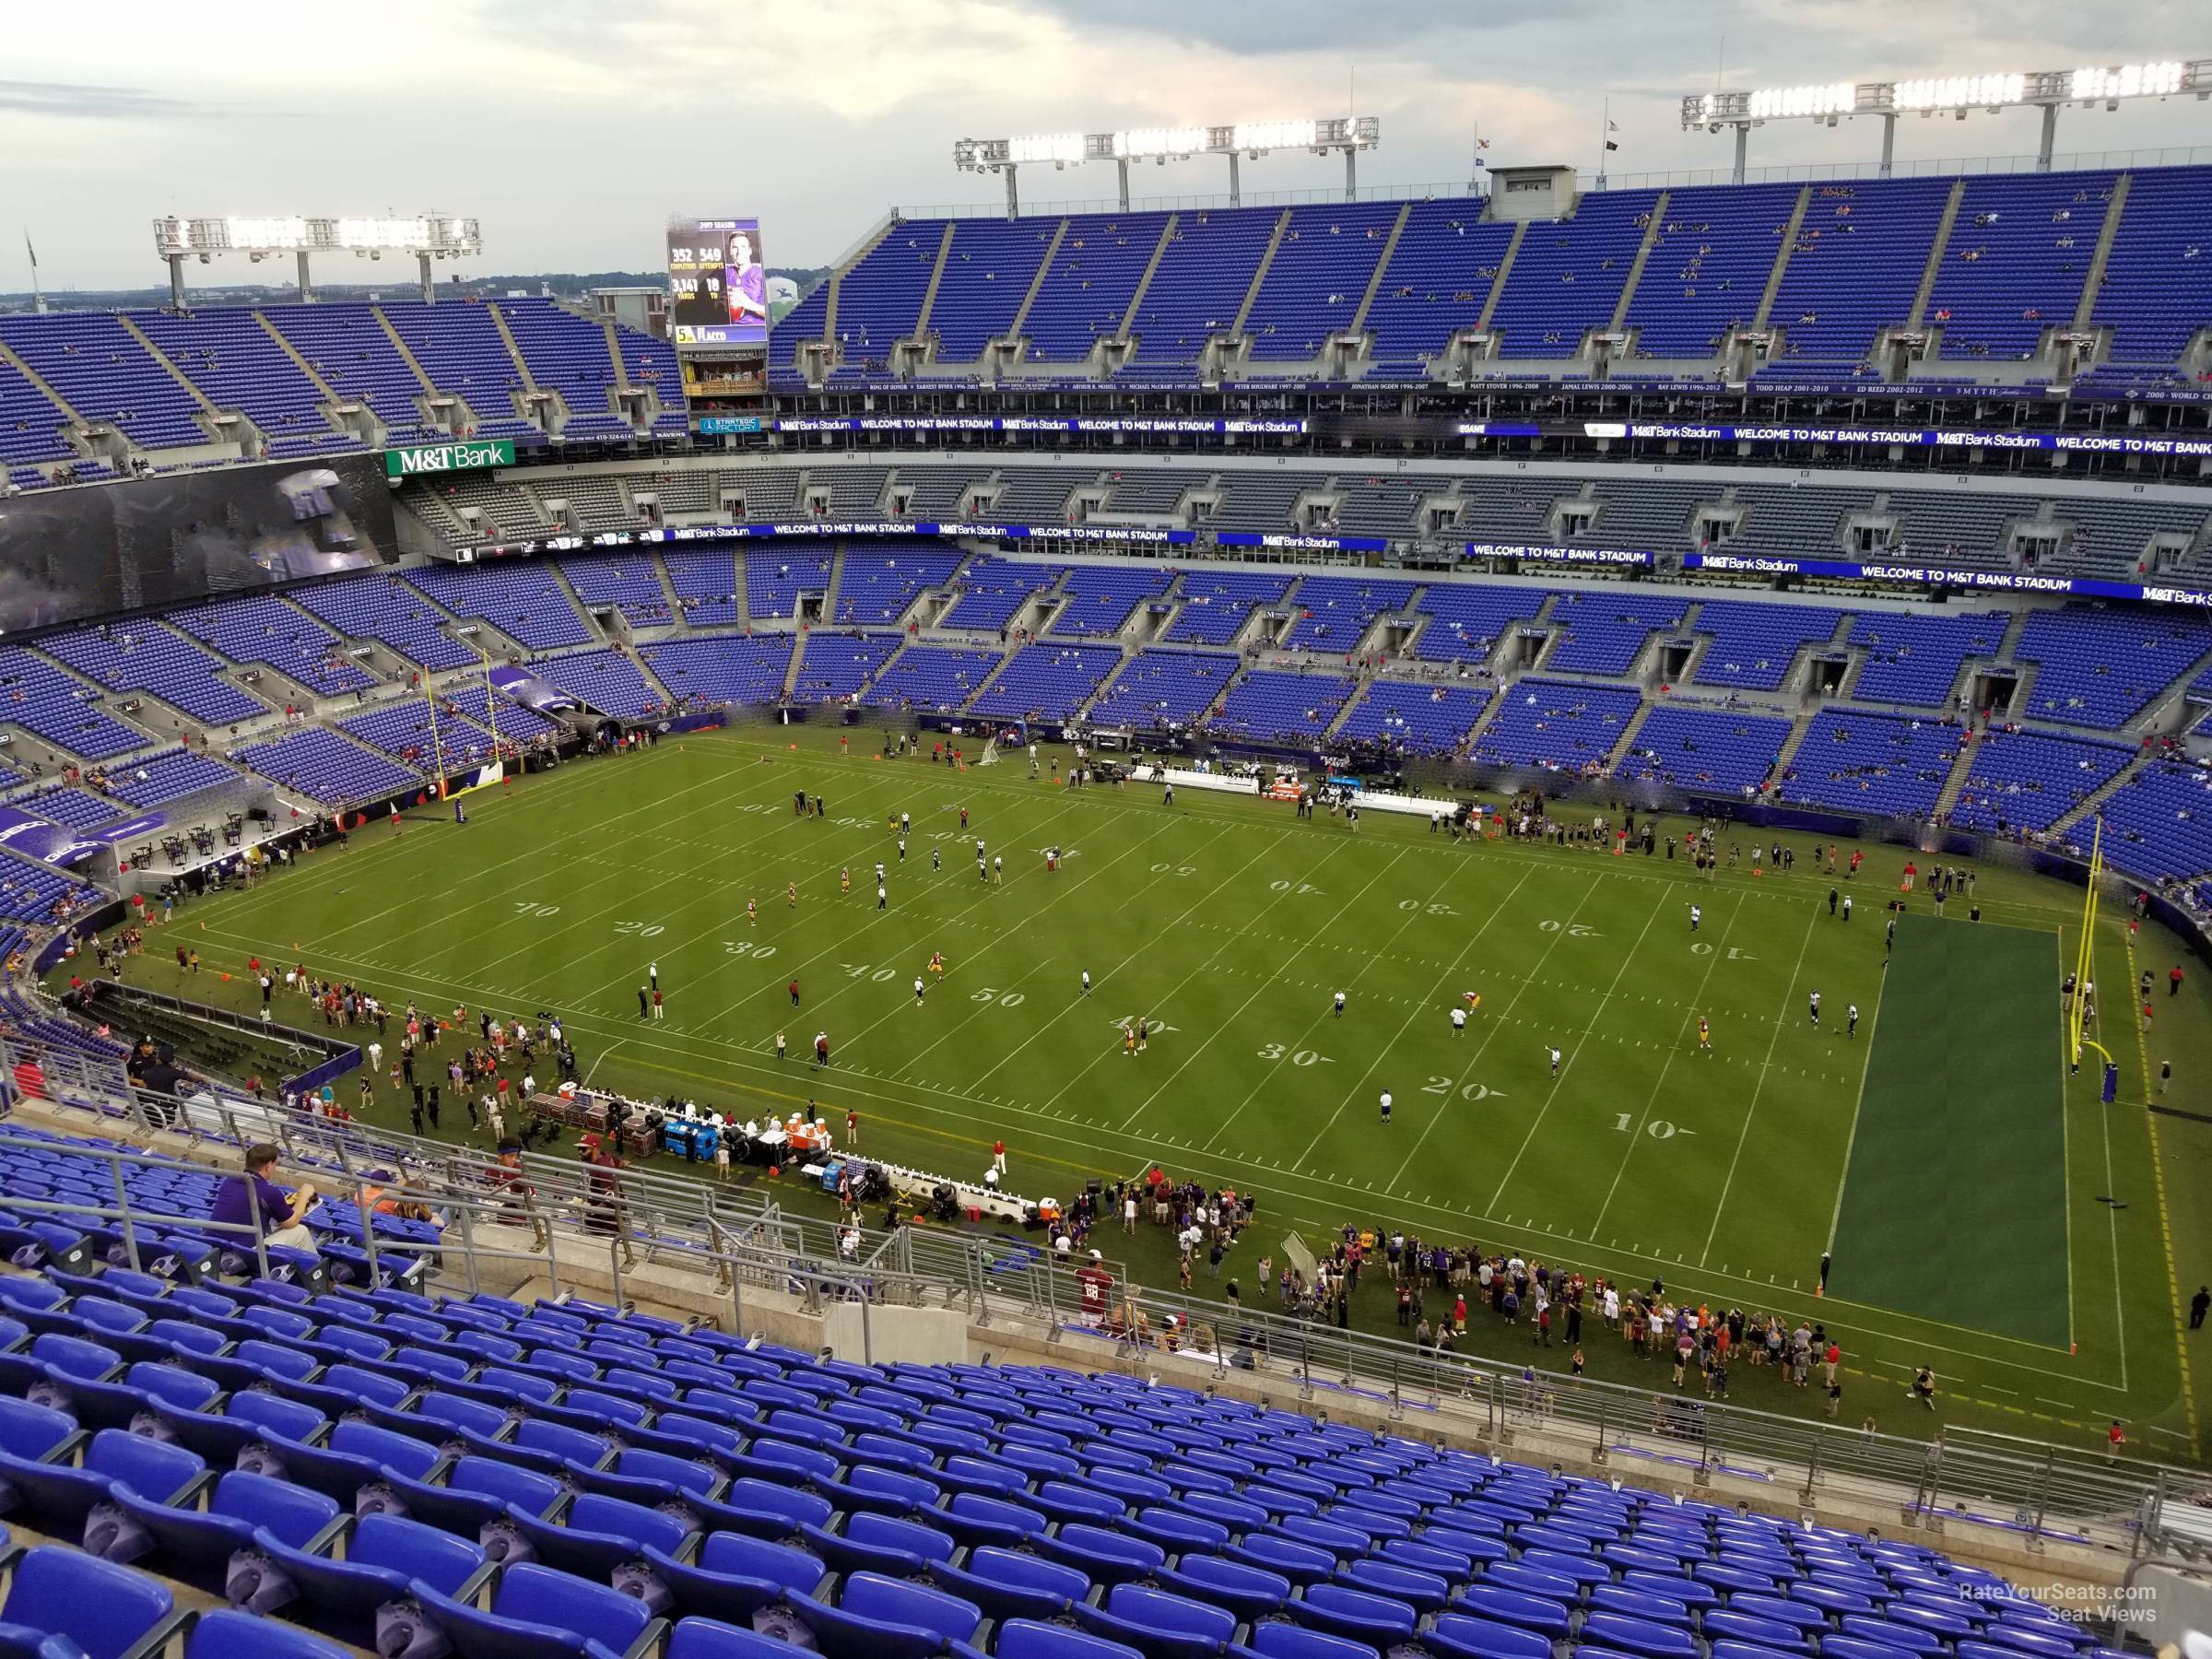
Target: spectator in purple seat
{"points": [[282, 1215]]}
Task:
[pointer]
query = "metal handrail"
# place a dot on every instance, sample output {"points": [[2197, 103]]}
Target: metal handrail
{"points": [[2033, 1489]]}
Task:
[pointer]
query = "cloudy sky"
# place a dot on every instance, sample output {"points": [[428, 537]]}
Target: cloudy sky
{"points": [[572, 128]]}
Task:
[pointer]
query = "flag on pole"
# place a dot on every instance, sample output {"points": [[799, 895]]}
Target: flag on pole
{"points": [[1482, 144], [30, 250], [1611, 145], [1612, 125]]}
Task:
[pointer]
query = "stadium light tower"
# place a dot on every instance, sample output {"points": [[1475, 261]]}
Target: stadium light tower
{"points": [[2050, 91], [1248, 139], [427, 236]]}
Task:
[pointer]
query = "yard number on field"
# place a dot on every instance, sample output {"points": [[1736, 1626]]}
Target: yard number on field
{"points": [[760, 953], [530, 907], [1301, 887], [644, 930], [992, 993], [1274, 1051], [1575, 930], [1472, 1091], [1157, 1028], [1658, 1128]]}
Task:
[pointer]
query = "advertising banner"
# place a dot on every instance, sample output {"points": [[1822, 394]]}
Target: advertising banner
{"points": [[1755, 435], [1936, 575], [1239, 426], [130, 828], [35, 838], [462, 455], [1768, 433], [1582, 556]]}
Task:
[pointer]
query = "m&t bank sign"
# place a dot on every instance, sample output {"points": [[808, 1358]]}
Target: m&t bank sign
{"points": [[465, 456]]}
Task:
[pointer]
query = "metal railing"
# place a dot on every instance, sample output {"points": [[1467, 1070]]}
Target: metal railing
{"points": [[2029, 1490], [685, 1223], [740, 1241], [1938, 167], [1801, 172]]}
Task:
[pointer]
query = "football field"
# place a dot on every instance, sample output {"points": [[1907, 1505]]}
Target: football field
{"points": [[1989, 1218]]}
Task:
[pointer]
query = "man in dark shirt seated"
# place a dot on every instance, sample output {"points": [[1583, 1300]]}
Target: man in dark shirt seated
{"points": [[282, 1215]]}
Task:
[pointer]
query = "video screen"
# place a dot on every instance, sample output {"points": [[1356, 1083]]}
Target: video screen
{"points": [[717, 283], [67, 555]]}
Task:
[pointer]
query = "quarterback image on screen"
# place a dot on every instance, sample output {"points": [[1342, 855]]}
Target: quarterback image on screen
{"points": [[745, 281]]}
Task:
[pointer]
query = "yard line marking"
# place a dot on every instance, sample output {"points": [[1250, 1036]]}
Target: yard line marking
{"points": [[777, 861], [725, 775], [1636, 1136], [1768, 887], [1443, 979], [349, 860], [1073, 884], [1233, 935], [1007, 1059], [1546, 861], [1490, 1029], [875, 917], [1553, 1093], [1224, 1025], [1851, 1139], [740, 1059], [1789, 990], [603, 1052], [2111, 1216], [2158, 1170]]}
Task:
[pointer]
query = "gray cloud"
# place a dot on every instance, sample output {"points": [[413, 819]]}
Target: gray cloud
{"points": [[775, 119], [104, 104], [1376, 28]]}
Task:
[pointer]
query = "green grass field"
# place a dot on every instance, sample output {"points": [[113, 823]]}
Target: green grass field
{"points": [[1954, 1202], [1972, 1234]]}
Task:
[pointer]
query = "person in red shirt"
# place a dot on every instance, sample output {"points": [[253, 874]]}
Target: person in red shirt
{"points": [[2173, 981], [998, 1155], [2115, 1438], [1854, 870]]}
